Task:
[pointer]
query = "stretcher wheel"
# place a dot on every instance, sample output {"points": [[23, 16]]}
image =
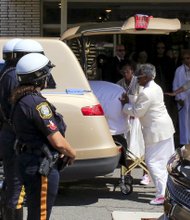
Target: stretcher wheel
{"points": [[126, 188], [128, 179]]}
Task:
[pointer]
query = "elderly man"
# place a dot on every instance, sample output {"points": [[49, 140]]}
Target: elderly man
{"points": [[157, 128]]}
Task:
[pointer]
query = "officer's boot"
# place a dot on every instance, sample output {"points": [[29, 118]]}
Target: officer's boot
{"points": [[9, 214], [19, 214], [13, 214]]}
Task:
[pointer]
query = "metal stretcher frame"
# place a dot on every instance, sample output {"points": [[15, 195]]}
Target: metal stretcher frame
{"points": [[136, 162]]}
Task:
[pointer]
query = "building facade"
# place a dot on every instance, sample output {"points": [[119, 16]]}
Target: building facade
{"points": [[52, 17], [20, 18]]}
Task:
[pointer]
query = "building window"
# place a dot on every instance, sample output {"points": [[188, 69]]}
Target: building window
{"points": [[51, 18]]}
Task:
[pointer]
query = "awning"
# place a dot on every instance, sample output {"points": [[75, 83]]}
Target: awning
{"points": [[155, 26], [92, 29]]}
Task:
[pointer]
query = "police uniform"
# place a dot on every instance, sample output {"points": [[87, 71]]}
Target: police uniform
{"points": [[2, 64], [14, 193], [34, 119]]}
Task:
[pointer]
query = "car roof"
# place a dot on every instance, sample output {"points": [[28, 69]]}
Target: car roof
{"points": [[155, 26]]}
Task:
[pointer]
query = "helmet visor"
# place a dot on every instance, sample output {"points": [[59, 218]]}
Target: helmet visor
{"points": [[33, 77]]}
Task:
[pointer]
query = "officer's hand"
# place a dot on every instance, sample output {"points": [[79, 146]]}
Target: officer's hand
{"points": [[71, 161]]}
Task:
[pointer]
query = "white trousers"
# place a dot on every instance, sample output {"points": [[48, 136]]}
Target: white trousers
{"points": [[156, 158]]}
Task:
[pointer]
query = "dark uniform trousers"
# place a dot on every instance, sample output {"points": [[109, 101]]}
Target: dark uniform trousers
{"points": [[41, 191], [14, 192]]}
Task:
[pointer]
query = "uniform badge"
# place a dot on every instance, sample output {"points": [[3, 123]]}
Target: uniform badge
{"points": [[52, 126], [44, 110]]}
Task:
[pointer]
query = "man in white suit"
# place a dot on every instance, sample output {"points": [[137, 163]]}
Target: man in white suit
{"points": [[157, 128]]}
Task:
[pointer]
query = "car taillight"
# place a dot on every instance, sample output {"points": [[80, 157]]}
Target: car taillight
{"points": [[94, 110]]}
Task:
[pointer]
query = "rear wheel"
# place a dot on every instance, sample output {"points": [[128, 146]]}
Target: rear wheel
{"points": [[125, 188], [128, 179]]}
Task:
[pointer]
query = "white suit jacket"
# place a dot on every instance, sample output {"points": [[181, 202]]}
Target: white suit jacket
{"points": [[150, 109]]}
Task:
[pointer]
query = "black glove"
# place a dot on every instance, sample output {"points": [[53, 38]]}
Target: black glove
{"points": [[62, 162]]}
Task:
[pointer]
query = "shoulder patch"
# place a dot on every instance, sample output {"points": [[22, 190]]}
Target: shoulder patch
{"points": [[44, 110], [52, 126]]}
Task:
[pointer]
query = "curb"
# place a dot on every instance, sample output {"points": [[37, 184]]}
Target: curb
{"points": [[120, 215]]}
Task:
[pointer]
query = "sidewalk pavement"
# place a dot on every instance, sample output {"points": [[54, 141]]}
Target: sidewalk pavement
{"points": [[120, 215], [101, 199], [138, 215]]}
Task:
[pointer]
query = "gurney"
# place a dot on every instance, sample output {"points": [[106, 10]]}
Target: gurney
{"points": [[133, 157]]}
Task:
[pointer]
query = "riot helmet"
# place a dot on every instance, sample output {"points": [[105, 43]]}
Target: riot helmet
{"points": [[33, 69], [27, 46], [8, 48]]}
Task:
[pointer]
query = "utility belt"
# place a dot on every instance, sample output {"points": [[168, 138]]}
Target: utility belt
{"points": [[49, 159], [23, 148]]}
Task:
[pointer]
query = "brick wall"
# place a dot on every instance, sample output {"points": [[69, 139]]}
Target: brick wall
{"points": [[20, 18]]}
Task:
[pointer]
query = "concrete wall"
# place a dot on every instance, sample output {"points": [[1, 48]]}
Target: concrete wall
{"points": [[20, 18]]}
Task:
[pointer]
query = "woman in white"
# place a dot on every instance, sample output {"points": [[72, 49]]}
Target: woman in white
{"points": [[157, 128], [134, 136]]}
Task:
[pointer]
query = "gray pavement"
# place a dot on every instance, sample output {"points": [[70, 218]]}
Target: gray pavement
{"points": [[98, 198]]}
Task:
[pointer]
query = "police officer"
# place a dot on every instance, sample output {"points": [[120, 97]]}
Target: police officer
{"points": [[39, 128], [12, 187], [13, 191], [5, 63]]}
